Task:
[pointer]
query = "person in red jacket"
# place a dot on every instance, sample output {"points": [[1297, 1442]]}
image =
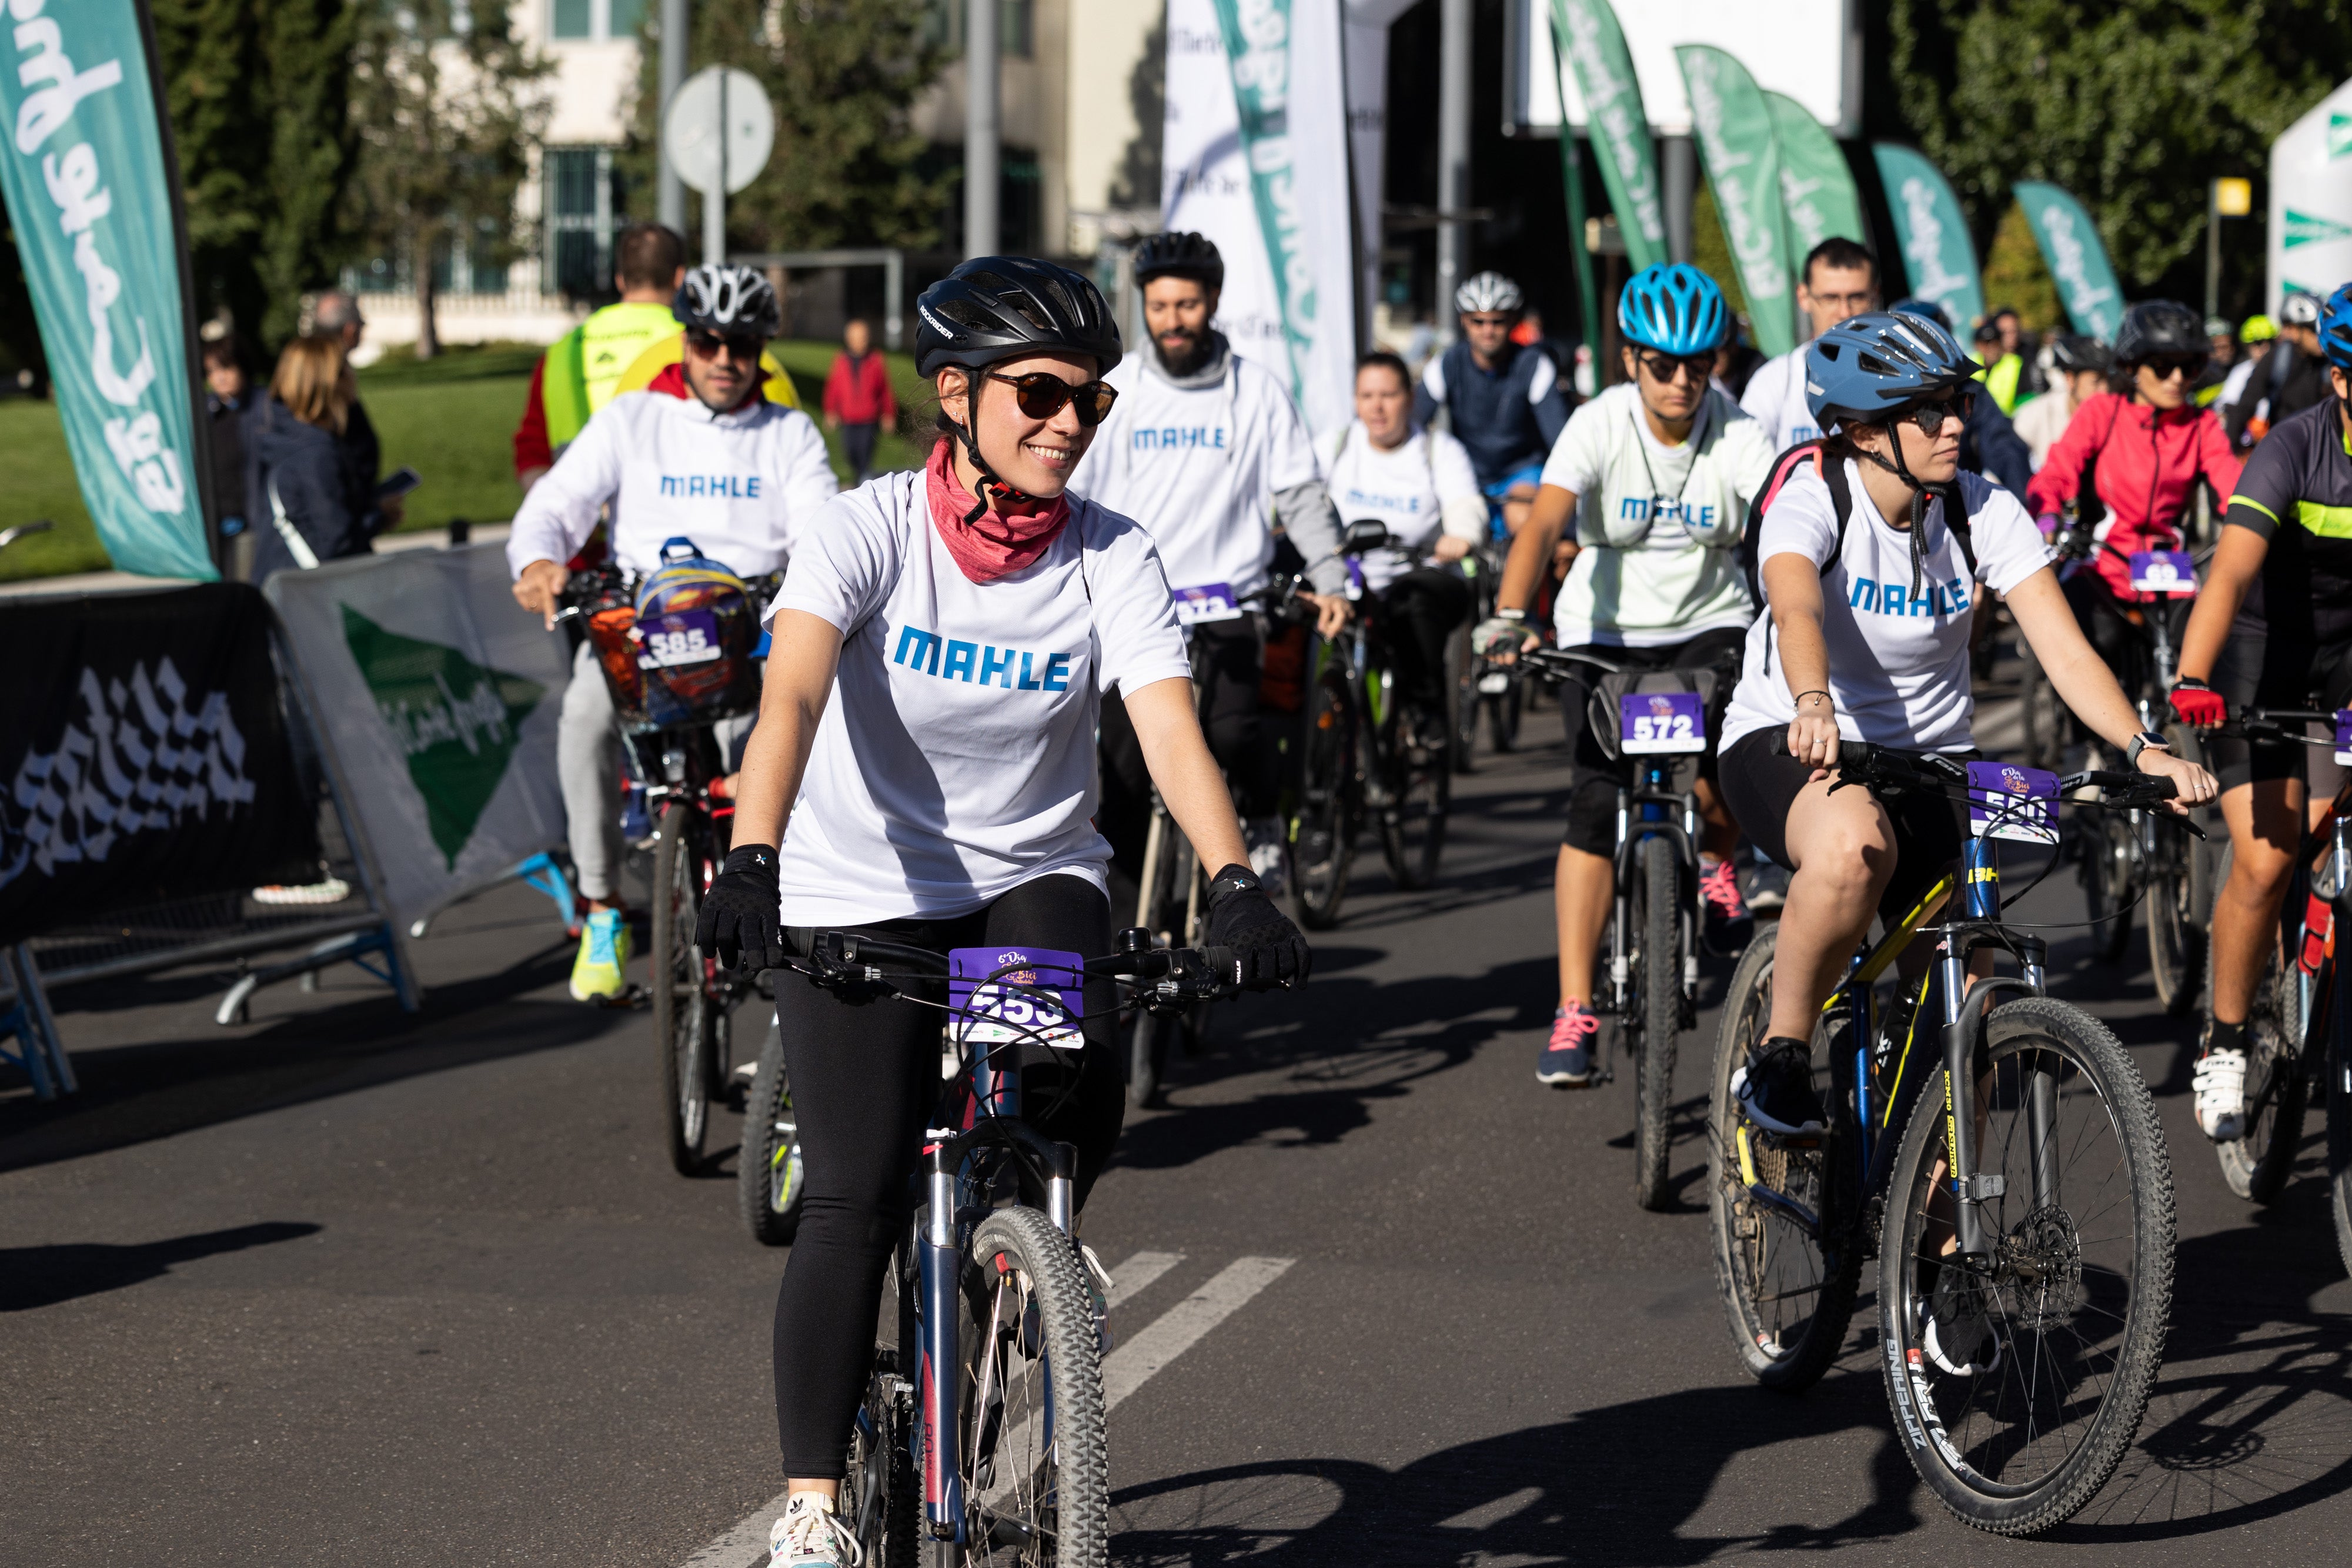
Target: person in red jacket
{"points": [[2144, 454], [857, 401]]}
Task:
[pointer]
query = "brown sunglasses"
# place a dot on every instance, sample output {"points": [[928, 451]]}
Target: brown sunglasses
{"points": [[1041, 394], [741, 346]]}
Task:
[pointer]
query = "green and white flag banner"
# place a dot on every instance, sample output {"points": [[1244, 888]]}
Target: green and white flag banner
{"points": [[2310, 250], [1938, 254], [1734, 129], [1594, 45], [1817, 189], [1255, 153], [84, 174], [437, 706], [2076, 257]]}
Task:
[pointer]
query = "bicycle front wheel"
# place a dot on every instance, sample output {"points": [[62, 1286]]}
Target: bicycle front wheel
{"points": [[1778, 1212], [1661, 1015], [1037, 1472], [2339, 1153], [2106, 880], [1324, 838], [2018, 1378], [683, 1011], [1412, 825], [768, 1167], [2257, 1161], [2043, 718]]}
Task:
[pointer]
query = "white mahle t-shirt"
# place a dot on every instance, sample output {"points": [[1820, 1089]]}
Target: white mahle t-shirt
{"points": [[956, 759]]}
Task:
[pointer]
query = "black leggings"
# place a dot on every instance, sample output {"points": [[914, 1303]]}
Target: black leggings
{"points": [[1425, 608], [865, 1078]]}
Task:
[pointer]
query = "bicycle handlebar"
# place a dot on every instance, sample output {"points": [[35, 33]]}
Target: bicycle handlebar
{"points": [[1881, 768], [1171, 974]]}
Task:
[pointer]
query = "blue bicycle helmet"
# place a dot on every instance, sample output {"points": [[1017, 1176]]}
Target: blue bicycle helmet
{"points": [[1933, 310], [1675, 310], [1870, 366], [2335, 328]]}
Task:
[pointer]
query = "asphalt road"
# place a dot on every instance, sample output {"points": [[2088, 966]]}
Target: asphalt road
{"points": [[344, 1287]]}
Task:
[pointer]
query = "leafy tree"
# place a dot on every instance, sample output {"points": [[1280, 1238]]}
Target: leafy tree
{"points": [[2016, 275], [2131, 105], [843, 76], [448, 105]]}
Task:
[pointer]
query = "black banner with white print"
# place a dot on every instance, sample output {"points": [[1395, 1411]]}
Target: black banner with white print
{"points": [[143, 754]]}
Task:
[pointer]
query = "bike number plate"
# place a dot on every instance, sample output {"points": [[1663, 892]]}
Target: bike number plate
{"points": [[1209, 601], [2163, 571], [1039, 996], [680, 637], [1651, 722], [2344, 736], [2007, 801]]}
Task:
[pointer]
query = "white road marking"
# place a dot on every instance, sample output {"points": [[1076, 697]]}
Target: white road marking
{"points": [[1127, 1369]]}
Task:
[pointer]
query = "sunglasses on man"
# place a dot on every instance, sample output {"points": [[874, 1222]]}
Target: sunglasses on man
{"points": [[738, 346], [1665, 367], [1041, 394]]}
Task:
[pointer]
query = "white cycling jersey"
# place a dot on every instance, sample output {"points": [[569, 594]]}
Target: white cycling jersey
{"points": [[737, 483], [1774, 399], [1421, 488]]}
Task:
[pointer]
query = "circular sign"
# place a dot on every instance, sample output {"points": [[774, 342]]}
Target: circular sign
{"points": [[719, 122]]}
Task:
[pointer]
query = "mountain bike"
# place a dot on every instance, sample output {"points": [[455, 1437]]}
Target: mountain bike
{"points": [[2005, 1164], [2130, 856], [1362, 761], [982, 1425], [1481, 684], [1650, 721], [2299, 1032], [676, 676]]}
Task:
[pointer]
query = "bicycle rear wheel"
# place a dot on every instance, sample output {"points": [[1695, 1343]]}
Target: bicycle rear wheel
{"points": [[1462, 668], [1169, 867], [2106, 880], [2180, 904], [1786, 1290], [1323, 840], [880, 1499], [768, 1182], [2257, 1163], [683, 1012], [1661, 990], [2017, 1380], [1037, 1472], [1413, 824], [2043, 716], [2339, 1153]]}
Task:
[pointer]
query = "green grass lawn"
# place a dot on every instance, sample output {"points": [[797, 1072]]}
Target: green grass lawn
{"points": [[451, 418]]}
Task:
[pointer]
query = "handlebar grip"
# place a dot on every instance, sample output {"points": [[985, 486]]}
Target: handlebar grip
{"points": [[1852, 754]]}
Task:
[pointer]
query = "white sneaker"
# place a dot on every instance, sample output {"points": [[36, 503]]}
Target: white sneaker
{"points": [[2220, 1089], [809, 1536], [1269, 854]]}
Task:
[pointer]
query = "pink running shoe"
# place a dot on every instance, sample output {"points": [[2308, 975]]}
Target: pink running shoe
{"points": [[1726, 925], [1567, 1059]]}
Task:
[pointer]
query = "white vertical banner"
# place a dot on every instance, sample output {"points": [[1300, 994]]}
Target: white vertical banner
{"points": [[2311, 202], [1367, 23], [1272, 190]]}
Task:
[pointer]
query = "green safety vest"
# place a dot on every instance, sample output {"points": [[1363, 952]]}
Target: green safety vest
{"points": [[585, 366], [2000, 380]]}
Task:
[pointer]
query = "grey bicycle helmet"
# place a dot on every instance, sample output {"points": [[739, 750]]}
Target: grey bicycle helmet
{"points": [[2071, 354], [1488, 292], [998, 308], [2155, 326], [1180, 255], [732, 300]]}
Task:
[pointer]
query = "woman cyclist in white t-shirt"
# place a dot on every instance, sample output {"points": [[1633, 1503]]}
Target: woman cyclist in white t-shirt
{"points": [[969, 616], [1865, 638]]}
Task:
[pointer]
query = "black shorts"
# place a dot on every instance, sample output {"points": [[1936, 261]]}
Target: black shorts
{"points": [[2252, 667], [1594, 777], [1760, 787]]}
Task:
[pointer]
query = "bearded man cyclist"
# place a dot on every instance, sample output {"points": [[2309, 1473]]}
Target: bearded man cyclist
{"points": [[2147, 453], [1658, 473], [1207, 451], [2272, 626], [698, 455], [1866, 637], [1839, 282], [946, 802], [1506, 401]]}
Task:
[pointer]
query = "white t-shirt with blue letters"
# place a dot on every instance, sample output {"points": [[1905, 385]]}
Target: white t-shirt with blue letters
{"points": [[956, 758]]}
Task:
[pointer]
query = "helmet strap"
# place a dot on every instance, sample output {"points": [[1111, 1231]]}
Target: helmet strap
{"points": [[991, 486], [1901, 471]]}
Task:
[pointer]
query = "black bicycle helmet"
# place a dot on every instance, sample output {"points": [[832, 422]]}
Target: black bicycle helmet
{"points": [[2156, 326], [2071, 354], [1180, 255], [732, 300], [998, 308]]}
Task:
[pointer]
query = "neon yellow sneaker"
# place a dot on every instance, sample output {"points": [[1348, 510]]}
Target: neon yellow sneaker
{"points": [[601, 970]]}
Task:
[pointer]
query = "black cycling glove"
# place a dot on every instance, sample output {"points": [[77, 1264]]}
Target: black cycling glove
{"points": [[1242, 917], [740, 913]]}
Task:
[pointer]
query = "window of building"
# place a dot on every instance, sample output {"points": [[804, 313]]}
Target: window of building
{"points": [[595, 19], [585, 210], [1016, 27]]}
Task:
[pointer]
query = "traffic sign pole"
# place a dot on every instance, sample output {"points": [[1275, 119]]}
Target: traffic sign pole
{"points": [[714, 200]]}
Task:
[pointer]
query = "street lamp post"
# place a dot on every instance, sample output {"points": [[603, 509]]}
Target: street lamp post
{"points": [[2227, 198], [1452, 156], [983, 126], [669, 199]]}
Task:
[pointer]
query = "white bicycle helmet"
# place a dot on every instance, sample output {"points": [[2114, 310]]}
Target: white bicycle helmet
{"points": [[1488, 291], [732, 300]]}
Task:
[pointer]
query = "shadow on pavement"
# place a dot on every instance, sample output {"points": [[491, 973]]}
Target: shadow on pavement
{"points": [[33, 1277]]}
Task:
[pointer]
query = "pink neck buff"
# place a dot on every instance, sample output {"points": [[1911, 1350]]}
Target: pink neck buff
{"points": [[989, 545]]}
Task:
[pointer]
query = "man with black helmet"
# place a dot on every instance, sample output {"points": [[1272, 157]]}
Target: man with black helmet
{"points": [[1206, 449], [942, 645], [699, 454]]}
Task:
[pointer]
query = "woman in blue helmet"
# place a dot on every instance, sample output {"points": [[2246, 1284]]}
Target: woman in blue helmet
{"points": [[1866, 637], [1657, 473]]}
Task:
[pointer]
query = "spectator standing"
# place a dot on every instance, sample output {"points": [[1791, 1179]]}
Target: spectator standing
{"points": [[313, 504], [2004, 366], [228, 403], [336, 318], [858, 398], [581, 372]]}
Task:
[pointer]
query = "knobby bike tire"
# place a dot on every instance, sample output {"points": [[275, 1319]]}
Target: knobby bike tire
{"points": [[1785, 1344], [2180, 900], [2257, 1163], [2339, 1153], [2040, 715], [1462, 668], [1017, 1257], [769, 1181], [881, 1493], [1323, 840], [2001, 1443], [1163, 915], [682, 1008], [1661, 1015], [1413, 824], [2106, 880]]}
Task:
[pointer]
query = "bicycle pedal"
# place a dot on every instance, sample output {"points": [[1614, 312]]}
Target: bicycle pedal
{"points": [[626, 999]]}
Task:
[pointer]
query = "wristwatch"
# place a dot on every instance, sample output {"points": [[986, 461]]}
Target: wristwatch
{"points": [[2145, 740]]}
